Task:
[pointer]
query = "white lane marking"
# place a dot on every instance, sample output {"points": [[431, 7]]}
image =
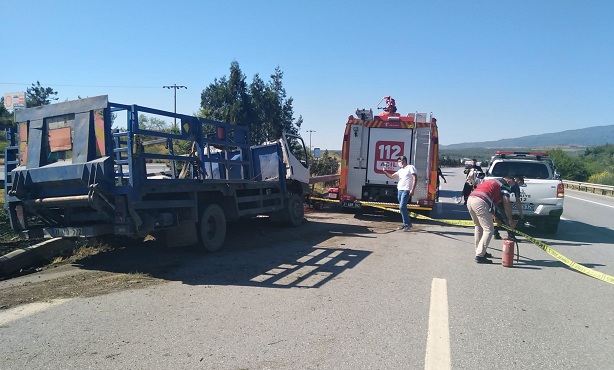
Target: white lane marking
{"points": [[438, 339], [20, 312], [590, 201]]}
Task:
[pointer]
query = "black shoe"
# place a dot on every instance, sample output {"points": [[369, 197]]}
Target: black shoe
{"points": [[482, 260], [497, 236], [487, 255]]}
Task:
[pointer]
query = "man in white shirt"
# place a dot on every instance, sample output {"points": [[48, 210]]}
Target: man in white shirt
{"points": [[406, 186]]}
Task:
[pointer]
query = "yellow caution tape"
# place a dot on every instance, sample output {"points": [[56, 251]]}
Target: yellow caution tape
{"points": [[546, 248], [574, 265]]}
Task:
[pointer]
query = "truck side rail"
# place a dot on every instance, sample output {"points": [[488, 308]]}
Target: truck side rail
{"points": [[195, 149]]}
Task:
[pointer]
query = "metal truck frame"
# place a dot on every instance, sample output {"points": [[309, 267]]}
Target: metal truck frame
{"points": [[70, 174], [370, 142]]}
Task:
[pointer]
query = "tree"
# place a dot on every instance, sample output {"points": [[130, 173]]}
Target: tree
{"points": [[6, 117], [570, 168], [326, 165], [153, 123], [38, 95], [263, 107], [227, 99]]}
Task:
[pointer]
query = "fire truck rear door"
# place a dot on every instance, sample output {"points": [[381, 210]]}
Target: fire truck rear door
{"points": [[386, 145]]}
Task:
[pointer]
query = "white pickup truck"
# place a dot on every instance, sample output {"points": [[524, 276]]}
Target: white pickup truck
{"points": [[541, 195]]}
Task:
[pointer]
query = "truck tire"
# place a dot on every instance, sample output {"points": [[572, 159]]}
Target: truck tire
{"points": [[552, 224], [296, 210], [293, 214], [212, 228]]}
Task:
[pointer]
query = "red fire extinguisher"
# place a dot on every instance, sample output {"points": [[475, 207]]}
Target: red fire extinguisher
{"points": [[508, 253]]}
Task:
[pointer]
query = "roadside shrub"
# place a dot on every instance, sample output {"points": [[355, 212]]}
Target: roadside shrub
{"points": [[603, 178]]}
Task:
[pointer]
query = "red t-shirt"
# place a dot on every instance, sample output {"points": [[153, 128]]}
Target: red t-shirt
{"points": [[495, 189]]}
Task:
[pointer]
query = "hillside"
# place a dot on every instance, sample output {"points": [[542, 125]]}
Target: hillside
{"points": [[579, 138]]}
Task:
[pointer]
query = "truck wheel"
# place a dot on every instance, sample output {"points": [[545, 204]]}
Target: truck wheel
{"points": [[296, 210], [552, 225], [293, 214], [212, 230]]}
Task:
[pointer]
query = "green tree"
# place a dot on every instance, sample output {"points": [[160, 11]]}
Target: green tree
{"points": [[153, 123], [326, 165], [263, 107], [227, 99], [6, 117], [285, 119], [570, 168], [38, 95]]}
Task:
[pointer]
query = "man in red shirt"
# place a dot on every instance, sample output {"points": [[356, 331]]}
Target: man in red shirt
{"points": [[481, 204]]}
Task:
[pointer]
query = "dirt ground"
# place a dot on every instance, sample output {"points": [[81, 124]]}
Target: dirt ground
{"points": [[127, 265]]}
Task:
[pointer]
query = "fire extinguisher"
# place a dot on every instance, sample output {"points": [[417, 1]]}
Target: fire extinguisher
{"points": [[508, 252]]}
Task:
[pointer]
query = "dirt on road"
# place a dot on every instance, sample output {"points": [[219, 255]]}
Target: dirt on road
{"points": [[132, 264]]}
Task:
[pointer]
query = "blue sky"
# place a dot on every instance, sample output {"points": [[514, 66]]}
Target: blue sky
{"points": [[487, 70]]}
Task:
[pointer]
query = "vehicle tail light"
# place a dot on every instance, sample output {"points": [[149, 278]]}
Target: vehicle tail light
{"points": [[560, 190], [426, 203]]}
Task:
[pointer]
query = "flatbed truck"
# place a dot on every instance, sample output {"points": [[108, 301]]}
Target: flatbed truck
{"points": [[70, 174]]}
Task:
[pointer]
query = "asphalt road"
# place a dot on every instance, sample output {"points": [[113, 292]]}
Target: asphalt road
{"points": [[341, 292]]}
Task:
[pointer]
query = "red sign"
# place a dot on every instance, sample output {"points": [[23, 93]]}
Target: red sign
{"points": [[386, 154]]}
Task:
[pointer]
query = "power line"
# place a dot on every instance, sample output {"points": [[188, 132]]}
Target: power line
{"points": [[106, 86]]}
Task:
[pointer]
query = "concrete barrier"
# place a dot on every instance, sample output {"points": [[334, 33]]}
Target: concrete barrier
{"points": [[33, 255]]}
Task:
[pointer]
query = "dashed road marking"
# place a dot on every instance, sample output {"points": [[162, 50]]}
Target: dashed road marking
{"points": [[438, 339]]}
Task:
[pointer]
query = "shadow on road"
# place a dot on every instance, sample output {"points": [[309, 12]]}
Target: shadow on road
{"points": [[256, 253], [576, 233]]}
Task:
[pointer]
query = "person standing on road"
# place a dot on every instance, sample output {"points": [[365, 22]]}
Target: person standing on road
{"points": [[406, 186], [481, 205], [439, 174], [518, 182], [471, 172]]}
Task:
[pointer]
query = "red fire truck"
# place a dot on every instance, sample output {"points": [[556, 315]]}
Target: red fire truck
{"points": [[370, 143]]}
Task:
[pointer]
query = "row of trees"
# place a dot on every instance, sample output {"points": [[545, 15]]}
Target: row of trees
{"points": [[266, 109], [595, 165], [326, 165], [263, 107]]}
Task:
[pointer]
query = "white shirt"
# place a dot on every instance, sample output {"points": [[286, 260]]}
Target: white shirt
{"points": [[405, 177]]}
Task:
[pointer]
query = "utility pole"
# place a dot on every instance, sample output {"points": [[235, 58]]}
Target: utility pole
{"points": [[175, 87], [310, 131]]}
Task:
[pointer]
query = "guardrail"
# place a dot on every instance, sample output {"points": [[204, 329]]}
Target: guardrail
{"points": [[590, 188], [323, 178]]}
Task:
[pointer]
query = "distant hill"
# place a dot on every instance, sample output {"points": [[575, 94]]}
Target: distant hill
{"points": [[583, 137]]}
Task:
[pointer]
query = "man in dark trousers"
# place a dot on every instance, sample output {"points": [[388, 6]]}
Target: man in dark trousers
{"points": [[439, 174], [518, 182], [481, 205]]}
